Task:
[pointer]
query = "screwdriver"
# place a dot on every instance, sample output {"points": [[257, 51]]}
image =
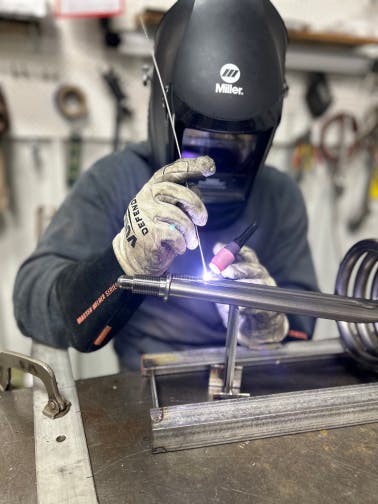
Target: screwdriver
{"points": [[227, 254]]}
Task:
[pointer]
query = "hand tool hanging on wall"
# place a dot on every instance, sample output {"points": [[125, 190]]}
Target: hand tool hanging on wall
{"points": [[72, 104], [369, 141], [122, 110], [36, 155], [318, 95], [4, 127], [111, 37], [304, 156], [338, 142]]}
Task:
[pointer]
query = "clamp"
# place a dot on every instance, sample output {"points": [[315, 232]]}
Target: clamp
{"points": [[57, 405]]}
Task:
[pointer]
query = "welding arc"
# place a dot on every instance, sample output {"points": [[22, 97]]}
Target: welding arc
{"points": [[170, 115]]}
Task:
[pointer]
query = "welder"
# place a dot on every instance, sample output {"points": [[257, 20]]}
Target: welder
{"points": [[223, 68]]}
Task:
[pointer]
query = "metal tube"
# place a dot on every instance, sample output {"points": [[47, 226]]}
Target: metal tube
{"points": [[262, 297], [154, 394], [231, 344], [357, 272], [185, 361]]}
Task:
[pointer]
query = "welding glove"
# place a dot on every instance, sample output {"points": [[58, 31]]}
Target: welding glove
{"points": [[160, 221], [255, 326]]}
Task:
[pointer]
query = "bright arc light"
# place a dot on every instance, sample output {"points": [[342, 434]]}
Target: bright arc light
{"points": [[213, 274], [207, 275]]}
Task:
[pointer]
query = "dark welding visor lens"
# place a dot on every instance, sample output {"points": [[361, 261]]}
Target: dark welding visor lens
{"points": [[229, 151], [233, 155]]}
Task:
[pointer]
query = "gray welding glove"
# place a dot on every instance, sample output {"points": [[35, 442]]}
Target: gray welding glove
{"points": [[160, 221], [256, 326]]}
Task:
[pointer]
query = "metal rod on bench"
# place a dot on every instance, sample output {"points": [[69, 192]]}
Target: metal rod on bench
{"points": [[231, 343], [154, 394]]}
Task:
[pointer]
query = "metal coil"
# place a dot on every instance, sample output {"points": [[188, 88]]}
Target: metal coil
{"points": [[358, 277]]}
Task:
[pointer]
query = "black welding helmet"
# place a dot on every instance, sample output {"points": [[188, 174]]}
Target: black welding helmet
{"points": [[222, 64]]}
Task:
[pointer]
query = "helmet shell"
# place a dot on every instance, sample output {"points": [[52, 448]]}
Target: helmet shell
{"points": [[202, 46]]}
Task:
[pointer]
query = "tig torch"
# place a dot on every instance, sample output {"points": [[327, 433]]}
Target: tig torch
{"points": [[227, 254]]}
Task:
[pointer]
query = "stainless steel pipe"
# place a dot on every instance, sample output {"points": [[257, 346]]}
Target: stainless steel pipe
{"points": [[262, 297]]}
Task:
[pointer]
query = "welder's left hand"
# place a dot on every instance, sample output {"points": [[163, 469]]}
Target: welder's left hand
{"points": [[256, 326]]}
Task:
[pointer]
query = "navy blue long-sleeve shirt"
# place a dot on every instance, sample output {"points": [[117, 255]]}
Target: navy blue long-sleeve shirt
{"points": [[65, 292]]}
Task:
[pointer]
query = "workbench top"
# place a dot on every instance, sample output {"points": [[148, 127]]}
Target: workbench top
{"points": [[330, 466], [17, 474]]}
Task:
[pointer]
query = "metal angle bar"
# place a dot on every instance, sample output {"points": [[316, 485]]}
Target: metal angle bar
{"points": [[63, 469], [200, 360], [234, 420]]}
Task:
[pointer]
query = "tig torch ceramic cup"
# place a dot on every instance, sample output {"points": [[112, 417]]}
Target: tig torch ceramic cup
{"points": [[224, 258]]}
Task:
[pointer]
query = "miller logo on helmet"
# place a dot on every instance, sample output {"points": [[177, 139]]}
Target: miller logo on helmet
{"points": [[230, 74]]}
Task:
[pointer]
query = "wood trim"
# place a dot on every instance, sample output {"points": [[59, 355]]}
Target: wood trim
{"points": [[331, 38]]}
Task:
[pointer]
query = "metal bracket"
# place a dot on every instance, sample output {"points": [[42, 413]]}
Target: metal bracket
{"points": [[216, 383], [57, 405]]}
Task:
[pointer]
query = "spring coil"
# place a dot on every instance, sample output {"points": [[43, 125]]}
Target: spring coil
{"points": [[358, 277]]}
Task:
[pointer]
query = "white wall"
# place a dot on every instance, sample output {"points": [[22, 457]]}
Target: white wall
{"points": [[73, 53], [329, 235], [357, 16], [30, 72]]}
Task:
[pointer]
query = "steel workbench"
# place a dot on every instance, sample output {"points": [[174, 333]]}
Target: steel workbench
{"points": [[329, 466]]}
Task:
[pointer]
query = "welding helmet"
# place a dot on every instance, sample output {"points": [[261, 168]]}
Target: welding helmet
{"points": [[222, 65]]}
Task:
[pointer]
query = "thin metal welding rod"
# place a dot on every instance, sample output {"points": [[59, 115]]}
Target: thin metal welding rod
{"points": [[172, 123], [231, 344], [263, 297]]}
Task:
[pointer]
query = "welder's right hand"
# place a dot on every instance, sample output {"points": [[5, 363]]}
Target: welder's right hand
{"points": [[160, 221], [255, 326]]}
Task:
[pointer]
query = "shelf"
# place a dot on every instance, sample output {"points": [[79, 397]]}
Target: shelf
{"points": [[317, 58], [308, 51], [330, 38]]}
